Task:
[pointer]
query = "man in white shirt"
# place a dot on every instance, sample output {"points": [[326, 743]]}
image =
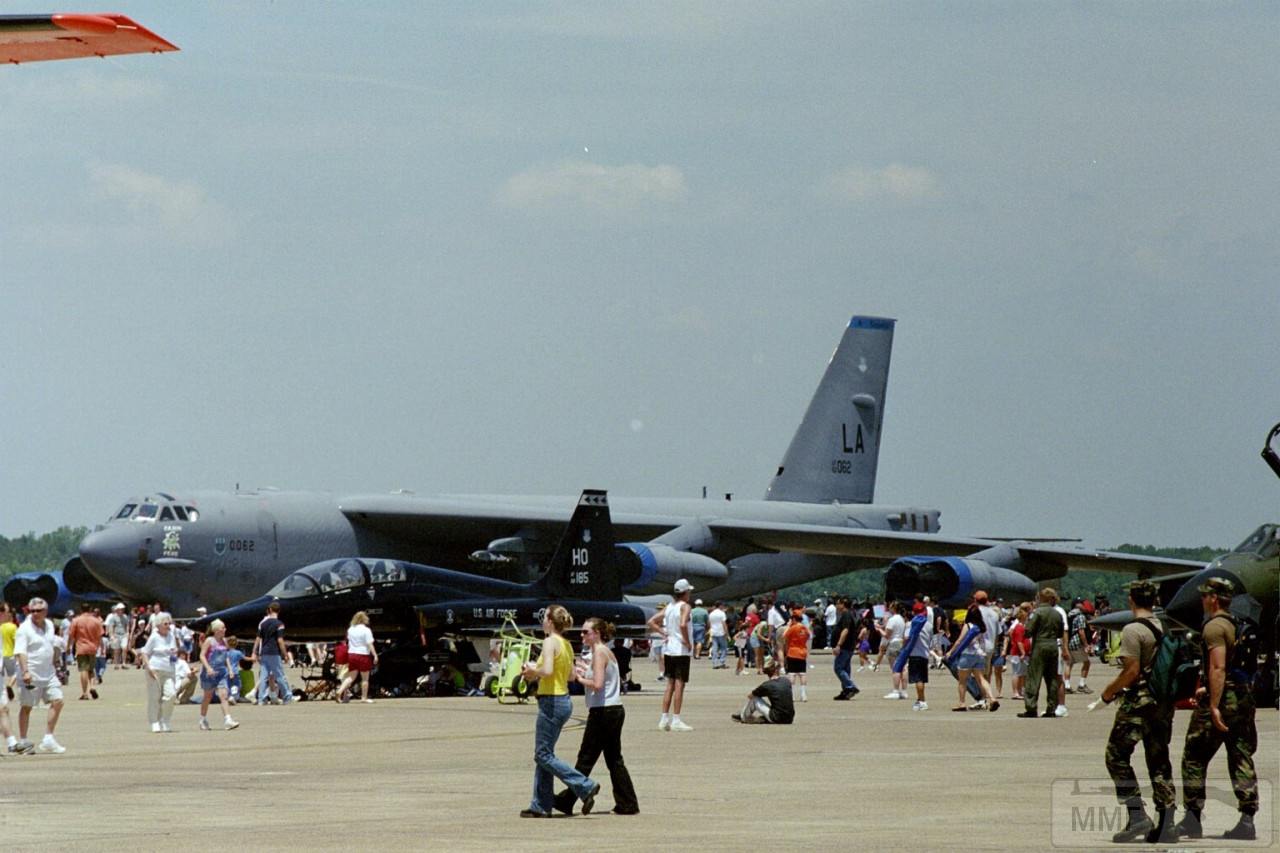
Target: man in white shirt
{"points": [[716, 622], [830, 617], [34, 646], [894, 631], [777, 620]]}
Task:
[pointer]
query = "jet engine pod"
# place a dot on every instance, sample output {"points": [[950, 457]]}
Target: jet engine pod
{"points": [[81, 584], [951, 581], [20, 589], [661, 566]]}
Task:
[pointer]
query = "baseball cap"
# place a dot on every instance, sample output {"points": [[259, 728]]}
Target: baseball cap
{"points": [[697, 601], [683, 585], [980, 596], [118, 606], [202, 610], [918, 608], [1218, 586]]}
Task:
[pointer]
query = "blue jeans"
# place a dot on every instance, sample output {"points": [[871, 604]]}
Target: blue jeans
{"points": [[844, 659], [719, 651], [269, 665], [553, 713]]}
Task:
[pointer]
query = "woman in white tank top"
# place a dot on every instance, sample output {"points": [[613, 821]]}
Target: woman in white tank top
{"points": [[601, 681]]}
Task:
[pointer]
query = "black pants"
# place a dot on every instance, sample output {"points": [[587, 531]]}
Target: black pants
{"points": [[604, 735]]}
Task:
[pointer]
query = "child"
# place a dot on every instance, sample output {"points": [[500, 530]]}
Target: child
{"points": [[740, 646]]}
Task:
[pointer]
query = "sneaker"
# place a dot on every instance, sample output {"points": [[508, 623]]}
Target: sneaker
{"points": [[1060, 711], [664, 725], [50, 746], [736, 717], [1084, 688], [1068, 690], [22, 747], [230, 724], [589, 801], [680, 726], [532, 813], [204, 724], [164, 727], [892, 694], [155, 728], [842, 696], [874, 667], [861, 668], [920, 706]]}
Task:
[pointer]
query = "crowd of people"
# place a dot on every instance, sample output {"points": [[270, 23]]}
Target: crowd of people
{"points": [[1041, 644], [38, 651]]}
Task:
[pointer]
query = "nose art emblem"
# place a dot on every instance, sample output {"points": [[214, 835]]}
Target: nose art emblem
{"points": [[220, 546]]}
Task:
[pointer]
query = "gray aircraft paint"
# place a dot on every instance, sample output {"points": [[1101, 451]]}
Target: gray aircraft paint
{"points": [[848, 406]]}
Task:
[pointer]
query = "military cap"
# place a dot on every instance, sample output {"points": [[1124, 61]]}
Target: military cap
{"points": [[1143, 586], [1218, 586]]}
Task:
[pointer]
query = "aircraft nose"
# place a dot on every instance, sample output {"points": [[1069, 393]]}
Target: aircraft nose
{"points": [[111, 555]]}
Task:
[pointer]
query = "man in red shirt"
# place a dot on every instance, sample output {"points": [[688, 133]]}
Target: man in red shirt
{"points": [[85, 637]]}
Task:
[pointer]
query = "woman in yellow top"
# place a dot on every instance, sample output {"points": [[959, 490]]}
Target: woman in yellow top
{"points": [[552, 672]]}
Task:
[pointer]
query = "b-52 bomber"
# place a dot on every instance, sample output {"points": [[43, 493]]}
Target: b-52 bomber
{"points": [[817, 519]]}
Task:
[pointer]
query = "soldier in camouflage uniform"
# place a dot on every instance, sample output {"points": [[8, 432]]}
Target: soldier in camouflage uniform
{"points": [[1224, 717], [1140, 717]]}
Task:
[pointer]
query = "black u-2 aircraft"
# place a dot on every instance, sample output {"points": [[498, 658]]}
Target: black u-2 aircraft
{"points": [[415, 605]]}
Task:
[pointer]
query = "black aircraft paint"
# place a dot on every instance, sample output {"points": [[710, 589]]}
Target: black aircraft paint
{"points": [[413, 603]]}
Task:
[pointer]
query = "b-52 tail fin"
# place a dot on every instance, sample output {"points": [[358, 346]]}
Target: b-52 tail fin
{"points": [[834, 453], [584, 565]]}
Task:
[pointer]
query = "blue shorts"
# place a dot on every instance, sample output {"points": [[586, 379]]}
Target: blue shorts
{"points": [[970, 660], [219, 679]]}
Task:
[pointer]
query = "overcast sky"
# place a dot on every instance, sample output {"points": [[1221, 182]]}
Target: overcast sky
{"points": [[532, 248]]}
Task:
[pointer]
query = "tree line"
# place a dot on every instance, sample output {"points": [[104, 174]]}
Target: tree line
{"points": [[32, 553]]}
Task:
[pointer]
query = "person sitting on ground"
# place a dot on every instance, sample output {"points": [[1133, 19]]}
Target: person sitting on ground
{"points": [[771, 701]]}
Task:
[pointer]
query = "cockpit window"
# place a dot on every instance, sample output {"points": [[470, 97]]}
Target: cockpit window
{"points": [[386, 571], [126, 510], [193, 514], [1264, 541], [147, 512], [180, 513], [295, 585], [166, 514], [340, 575], [1271, 547]]}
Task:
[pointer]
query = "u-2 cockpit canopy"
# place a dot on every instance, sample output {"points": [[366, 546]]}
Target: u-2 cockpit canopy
{"points": [[162, 507], [333, 575]]}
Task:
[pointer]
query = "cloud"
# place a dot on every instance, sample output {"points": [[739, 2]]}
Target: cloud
{"points": [[894, 182], [179, 208], [575, 183]]}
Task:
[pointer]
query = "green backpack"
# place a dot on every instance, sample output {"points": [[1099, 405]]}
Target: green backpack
{"points": [[1175, 667]]}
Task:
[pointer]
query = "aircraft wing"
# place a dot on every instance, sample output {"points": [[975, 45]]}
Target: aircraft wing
{"points": [[890, 545], [34, 38], [475, 523]]}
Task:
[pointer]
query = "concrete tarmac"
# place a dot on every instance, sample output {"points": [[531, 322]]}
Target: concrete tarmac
{"points": [[434, 774]]}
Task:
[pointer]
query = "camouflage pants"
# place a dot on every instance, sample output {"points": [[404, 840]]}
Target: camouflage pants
{"points": [[1141, 718], [1241, 740], [1043, 664]]}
